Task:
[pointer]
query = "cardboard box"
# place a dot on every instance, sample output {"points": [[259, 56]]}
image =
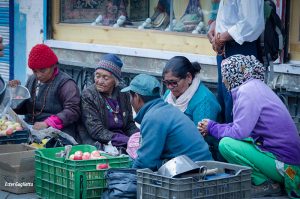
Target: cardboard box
{"points": [[17, 171]]}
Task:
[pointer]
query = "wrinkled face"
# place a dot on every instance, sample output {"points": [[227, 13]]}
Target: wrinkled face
{"points": [[104, 81], [176, 85], [44, 75]]}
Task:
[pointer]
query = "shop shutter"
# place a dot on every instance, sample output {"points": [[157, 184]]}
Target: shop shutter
{"points": [[4, 32]]}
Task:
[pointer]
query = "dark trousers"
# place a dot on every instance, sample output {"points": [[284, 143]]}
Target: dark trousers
{"points": [[224, 96]]}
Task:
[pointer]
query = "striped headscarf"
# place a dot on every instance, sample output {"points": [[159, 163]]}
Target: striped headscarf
{"points": [[238, 69]]}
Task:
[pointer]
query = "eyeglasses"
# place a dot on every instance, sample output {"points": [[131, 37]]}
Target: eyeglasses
{"points": [[172, 83]]}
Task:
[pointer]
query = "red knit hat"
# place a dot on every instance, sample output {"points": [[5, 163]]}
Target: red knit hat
{"points": [[41, 56]]}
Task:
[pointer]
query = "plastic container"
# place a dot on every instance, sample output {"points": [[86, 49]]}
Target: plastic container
{"points": [[17, 168], [19, 95], [17, 137], [64, 178], [230, 182]]}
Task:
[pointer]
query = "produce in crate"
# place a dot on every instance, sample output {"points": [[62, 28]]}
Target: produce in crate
{"points": [[79, 155], [8, 127]]}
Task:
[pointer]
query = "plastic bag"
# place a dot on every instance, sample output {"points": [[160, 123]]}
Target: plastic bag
{"points": [[56, 137]]}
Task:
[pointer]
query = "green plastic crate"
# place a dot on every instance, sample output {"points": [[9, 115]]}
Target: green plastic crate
{"points": [[59, 178]]}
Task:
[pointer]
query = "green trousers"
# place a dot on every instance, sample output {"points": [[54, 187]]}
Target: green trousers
{"points": [[247, 154]]}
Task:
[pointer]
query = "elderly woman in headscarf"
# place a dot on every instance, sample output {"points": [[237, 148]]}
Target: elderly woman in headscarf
{"points": [[55, 97], [262, 135], [106, 112]]}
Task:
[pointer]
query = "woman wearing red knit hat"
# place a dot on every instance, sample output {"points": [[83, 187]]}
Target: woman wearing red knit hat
{"points": [[55, 97]]}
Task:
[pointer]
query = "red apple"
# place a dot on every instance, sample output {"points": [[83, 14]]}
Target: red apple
{"points": [[101, 166], [86, 156], [95, 153], [77, 157], [78, 153], [9, 131]]}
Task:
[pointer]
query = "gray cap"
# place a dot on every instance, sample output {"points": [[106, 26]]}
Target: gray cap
{"points": [[145, 85]]}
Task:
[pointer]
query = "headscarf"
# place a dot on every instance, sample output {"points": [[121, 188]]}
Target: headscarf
{"points": [[238, 69]]}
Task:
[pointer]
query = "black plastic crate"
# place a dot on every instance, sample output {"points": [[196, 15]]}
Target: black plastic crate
{"points": [[236, 184], [17, 137]]}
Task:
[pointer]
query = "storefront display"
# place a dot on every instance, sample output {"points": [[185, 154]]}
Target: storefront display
{"points": [[187, 16]]}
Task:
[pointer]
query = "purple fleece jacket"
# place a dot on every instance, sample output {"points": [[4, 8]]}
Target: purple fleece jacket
{"points": [[259, 113]]}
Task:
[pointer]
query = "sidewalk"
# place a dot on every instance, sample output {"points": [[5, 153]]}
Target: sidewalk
{"points": [[6, 195]]}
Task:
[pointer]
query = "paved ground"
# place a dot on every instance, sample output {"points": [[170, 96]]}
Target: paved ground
{"points": [[5, 195]]}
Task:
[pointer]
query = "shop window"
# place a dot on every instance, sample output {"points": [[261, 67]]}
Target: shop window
{"points": [[186, 16]]}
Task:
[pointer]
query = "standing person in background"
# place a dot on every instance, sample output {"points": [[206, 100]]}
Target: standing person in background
{"points": [[236, 30], [55, 97], [213, 11], [262, 135], [187, 93], [106, 112]]}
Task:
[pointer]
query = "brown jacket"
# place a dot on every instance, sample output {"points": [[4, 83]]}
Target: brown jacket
{"points": [[94, 116]]}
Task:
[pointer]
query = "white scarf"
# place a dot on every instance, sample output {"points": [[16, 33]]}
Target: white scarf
{"points": [[184, 99]]}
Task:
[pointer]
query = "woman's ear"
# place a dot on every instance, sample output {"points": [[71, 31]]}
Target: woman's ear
{"points": [[189, 77]]}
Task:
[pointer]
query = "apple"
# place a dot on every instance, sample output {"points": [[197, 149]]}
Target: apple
{"points": [[95, 153], [19, 128], [101, 166], [77, 157], [71, 157], [86, 156], [78, 153], [9, 131]]}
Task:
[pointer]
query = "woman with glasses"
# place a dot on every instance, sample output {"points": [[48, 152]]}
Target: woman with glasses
{"points": [[106, 112], [190, 95]]}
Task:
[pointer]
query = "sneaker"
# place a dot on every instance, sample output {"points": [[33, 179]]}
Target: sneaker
{"points": [[268, 188]]}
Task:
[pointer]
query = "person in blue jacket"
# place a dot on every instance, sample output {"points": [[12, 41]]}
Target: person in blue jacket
{"points": [[166, 132], [187, 92]]}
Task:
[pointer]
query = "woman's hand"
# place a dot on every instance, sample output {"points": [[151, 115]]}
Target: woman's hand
{"points": [[14, 83], [202, 127], [40, 125]]}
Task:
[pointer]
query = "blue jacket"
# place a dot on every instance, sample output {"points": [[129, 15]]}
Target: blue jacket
{"points": [[167, 133], [203, 104]]}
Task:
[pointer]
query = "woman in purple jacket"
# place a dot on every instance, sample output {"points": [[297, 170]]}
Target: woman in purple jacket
{"points": [[262, 135]]}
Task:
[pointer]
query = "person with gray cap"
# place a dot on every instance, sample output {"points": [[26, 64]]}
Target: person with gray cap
{"points": [[166, 132], [106, 112]]}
